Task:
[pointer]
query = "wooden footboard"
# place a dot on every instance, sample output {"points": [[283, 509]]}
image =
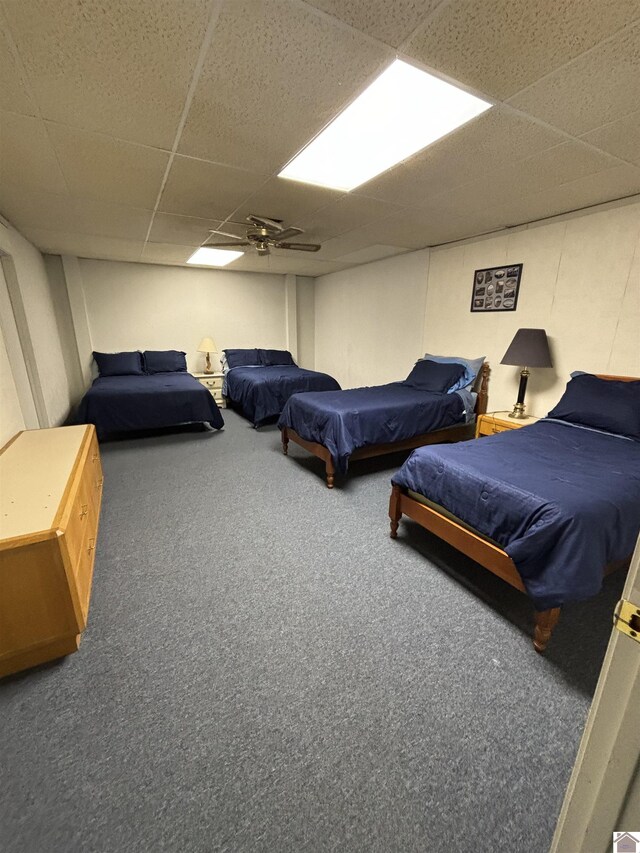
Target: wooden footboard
{"points": [[488, 555], [483, 552]]}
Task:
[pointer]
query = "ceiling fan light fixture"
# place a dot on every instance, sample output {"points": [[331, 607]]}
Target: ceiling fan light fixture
{"points": [[400, 113], [209, 257]]}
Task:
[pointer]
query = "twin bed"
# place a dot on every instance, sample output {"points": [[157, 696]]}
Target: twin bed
{"points": [[363, 422], [550, 508]]}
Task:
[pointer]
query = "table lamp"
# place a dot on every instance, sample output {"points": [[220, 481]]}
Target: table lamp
{"points": [[530, 347], [207, 346]]}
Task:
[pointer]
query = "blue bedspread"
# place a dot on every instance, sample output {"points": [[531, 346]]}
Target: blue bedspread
{"points": [[562, 501], [123, 403], [260, 393], [343, 421]]}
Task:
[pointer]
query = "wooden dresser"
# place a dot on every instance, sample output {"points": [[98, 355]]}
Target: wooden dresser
{"points": [[50, 495]]}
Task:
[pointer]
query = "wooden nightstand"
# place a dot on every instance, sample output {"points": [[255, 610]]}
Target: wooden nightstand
{"points": [[495, 422], [213, 381]]}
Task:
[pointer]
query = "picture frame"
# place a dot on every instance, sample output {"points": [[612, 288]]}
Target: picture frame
{"points": [[496, 288]]}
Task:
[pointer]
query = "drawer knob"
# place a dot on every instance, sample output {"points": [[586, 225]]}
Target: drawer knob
{"points": [[83, 510], [92, 545]]}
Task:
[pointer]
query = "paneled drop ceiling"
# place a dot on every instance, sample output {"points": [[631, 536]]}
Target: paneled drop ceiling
{"points": [[129, 128]]}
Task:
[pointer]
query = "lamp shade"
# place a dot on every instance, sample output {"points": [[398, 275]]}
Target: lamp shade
{"points": [[529, 348], [207, 345]]}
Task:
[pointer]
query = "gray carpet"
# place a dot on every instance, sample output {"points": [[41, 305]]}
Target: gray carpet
{"points": [[265, 670]]}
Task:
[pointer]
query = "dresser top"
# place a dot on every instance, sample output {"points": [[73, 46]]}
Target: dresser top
{"points": [[34, 472]]}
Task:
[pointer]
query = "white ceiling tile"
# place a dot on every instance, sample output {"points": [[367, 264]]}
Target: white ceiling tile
{"points": [[119, 67], [501, 46], [494, 194], [390, 22], [34, 209], [345, 244], [26, 209], [27, 157], [498, 137], [372, 253], [349, 212], [290, 201], [181, 230], [97, 166], [600, 87], [14, 94], [206, 190], [166, 253], [608, 185], [275, 74], [414, 228], [111, 220], [84, 246], [621, 137]]}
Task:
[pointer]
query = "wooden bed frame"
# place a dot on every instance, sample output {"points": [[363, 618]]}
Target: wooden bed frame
{"points": [[479, 549], [460, 432]]}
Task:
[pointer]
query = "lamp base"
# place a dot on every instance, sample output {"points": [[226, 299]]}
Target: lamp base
{"points": [[518, 411], [207, 366]]}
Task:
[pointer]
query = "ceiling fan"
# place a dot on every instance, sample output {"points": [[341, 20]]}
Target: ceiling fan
{"points": [[264, 233]]}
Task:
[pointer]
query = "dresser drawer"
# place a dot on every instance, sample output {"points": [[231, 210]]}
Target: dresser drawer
{"points": [[81, 519], [84, 571]]}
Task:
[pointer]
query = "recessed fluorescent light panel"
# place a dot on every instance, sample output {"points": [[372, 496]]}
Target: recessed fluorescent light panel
{"points": [[210, 257], [402, 111]]}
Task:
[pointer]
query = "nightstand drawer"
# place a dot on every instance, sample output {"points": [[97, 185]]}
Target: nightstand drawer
{"points": [[492, 424], [213, 383], [489, 427]]}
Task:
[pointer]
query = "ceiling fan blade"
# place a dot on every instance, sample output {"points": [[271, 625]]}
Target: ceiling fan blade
{"points": [[299, 247], [225, 234], [264, 221], [225, 245], [287, 233]]}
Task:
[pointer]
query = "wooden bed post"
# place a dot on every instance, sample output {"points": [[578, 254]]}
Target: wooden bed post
{"points": [[285, 441], [483, 393], [395, 513], [331, 470], [546, 621]]}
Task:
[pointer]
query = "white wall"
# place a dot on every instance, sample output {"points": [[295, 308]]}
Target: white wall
{"points": [[306, 322], [369, 320], [580, 282], [146, 306], [11, 418], [37, 319]]}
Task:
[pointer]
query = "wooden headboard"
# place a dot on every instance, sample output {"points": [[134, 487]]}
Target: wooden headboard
{"points": [[618, 378]]}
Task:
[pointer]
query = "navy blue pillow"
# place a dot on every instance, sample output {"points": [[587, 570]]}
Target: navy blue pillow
{"points": [[606, 404], [119, 363], [242, 357], [434, 376], [165, 361], [270, 357]]}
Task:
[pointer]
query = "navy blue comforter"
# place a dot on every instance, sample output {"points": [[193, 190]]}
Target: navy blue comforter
{"points": [[123, 403], [561, 500], [260, 393], [343, 421]]}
